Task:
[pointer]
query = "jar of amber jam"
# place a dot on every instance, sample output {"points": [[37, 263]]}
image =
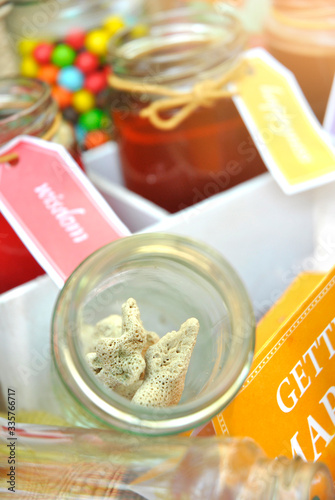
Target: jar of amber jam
{"points": [[301, 35], [26, 107], [210, 149]]}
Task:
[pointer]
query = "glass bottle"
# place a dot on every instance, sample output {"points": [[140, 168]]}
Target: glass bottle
{"points": [[301, 35], [172, 278], [210, 150], [76, 463], [26, 107]]}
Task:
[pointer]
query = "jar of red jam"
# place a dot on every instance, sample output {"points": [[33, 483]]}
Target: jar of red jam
{"points": [[210, 149], [26, 107]]}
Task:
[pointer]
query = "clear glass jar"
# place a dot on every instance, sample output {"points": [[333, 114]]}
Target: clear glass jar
{"points": [[26, 107], [172, 278], [301, 35], [64, 42], [7, 55], [35, 19], [210, 150], [77, 463]]}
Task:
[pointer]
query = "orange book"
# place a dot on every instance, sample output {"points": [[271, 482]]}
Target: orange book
{"points": [[287, 403]]}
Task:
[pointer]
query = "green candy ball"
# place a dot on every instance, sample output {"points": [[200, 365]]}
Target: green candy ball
{"points": [[93, 120], [63, 55]]}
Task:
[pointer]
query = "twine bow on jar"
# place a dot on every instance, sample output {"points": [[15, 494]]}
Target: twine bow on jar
{"points": [[204, 93]]}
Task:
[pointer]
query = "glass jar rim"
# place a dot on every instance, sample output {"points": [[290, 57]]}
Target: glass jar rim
{"points": [[30, 107], [302, 27], [180, 44], [301, 4], [114, 410], [48, 18]]}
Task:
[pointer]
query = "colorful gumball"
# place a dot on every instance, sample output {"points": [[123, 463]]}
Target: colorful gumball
{"points": [[42, 53], [96, 138], [48, 73], [71, 78], [26, 46], [80, 133], [83, 101], [87, 62], [62, 96], [96, 82], [29, 67], [93, 119], [113, 24], [97, 42], [70, 114], [76, 38], [63, 55]]}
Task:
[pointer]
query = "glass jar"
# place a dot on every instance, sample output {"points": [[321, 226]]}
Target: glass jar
{"points": [[64, 42], [7, 56], [35, 19], [172, 278], [26, 107], [208, 151], [301, 35], [77, 463]]}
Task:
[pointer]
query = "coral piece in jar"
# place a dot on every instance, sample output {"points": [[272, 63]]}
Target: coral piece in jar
{"points": [[136, 363], [167, 363], [118, 362]]}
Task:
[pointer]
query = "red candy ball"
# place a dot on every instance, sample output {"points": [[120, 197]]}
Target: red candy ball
{"points": [[107, 70], [42, 53], [96, 82], [76, 38], [87, 62]]}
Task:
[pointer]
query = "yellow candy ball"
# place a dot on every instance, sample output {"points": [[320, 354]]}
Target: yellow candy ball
{"points": [[26, 46], [97, 42], [113, 24], [139, 31], [29, 67], [83, 101]]}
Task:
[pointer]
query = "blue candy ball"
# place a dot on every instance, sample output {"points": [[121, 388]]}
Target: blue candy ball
{"points": [[80, 134], [71, 78]]}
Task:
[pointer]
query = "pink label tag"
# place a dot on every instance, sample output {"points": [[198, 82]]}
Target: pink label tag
{"points": [[53, 207]]}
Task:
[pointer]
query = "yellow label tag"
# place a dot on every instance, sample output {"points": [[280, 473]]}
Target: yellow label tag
{"points": [[287, 403], [292, 143]]}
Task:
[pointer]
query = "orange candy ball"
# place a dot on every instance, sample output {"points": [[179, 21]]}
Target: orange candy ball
{"points": [[48, 73], [62, 96], [96, 138]]}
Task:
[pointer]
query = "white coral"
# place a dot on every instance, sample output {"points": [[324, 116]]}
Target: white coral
{"points": [[137, 364], [119, 361], [167, 363]]}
